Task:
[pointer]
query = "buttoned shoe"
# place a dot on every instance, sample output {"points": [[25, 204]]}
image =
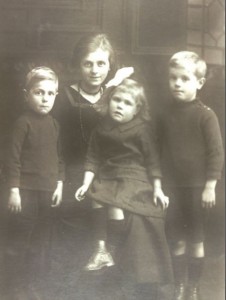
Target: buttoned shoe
{"points": [[100, 259], [180, 292]]}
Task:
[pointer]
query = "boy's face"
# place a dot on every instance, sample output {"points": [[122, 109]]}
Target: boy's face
{"points": [[40, 98], [122, 107], [94, 69], [183, 82]]}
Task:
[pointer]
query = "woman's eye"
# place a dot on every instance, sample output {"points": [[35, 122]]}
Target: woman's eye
{"points": [[101, 63], [51, 94]]}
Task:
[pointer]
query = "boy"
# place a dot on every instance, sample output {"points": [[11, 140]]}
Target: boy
{"points": [[35, 173], [192, 160]]}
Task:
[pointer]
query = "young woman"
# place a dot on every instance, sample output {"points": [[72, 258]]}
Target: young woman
{"points": [[95, 60]]}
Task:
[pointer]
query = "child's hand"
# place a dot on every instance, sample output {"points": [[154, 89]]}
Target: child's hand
{"points": [[159, 196], [57, 195], [120, 75], [14, 202], [80, 193], [208, 197]]}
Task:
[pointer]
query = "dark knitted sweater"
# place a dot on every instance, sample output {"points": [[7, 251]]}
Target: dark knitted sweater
{"points": [[34, 160], [191, 144]]}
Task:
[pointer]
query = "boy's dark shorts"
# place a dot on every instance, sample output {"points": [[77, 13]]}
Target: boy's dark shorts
{"points": [[185, 216]]}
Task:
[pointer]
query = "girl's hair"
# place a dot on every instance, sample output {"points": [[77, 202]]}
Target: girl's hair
{"points": [[38, 74], [182, 57], [91, 43], [129, 86]]}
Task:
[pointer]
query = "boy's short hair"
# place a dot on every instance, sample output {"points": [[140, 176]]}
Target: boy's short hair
{"points": [[179, 59], [38, 74]]}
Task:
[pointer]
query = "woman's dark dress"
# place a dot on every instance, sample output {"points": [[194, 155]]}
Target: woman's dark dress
{"points": [[77, 117]]}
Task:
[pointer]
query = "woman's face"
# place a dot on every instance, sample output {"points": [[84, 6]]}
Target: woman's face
{"points": [[94, 69]]}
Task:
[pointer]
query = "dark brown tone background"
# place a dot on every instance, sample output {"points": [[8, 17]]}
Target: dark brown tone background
{"points": [[145, 33]]}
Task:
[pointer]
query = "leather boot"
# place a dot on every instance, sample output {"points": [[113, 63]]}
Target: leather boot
{"points": [[193, 293], [100, 259], [180, 292]]}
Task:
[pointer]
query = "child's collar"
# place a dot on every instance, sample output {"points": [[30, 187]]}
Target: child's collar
{"points": [[108, 125]]}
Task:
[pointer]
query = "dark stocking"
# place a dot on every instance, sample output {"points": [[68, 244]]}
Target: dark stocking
{"points": [[180, 268]]}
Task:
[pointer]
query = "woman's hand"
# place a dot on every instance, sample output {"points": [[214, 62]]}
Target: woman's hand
{"points": [[160, 196], [14, 202], [80, 193]]}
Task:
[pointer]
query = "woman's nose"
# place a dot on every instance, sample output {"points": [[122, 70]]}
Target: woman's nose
{"points": [[94, 68]]}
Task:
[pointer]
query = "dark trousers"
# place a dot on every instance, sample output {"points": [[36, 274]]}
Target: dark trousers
{"points": [[29, 239]]}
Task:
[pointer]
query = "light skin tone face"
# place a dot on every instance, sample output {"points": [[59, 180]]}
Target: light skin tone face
{"points": [[94, 69], [183, 82], [41, 97], [122, 107]]}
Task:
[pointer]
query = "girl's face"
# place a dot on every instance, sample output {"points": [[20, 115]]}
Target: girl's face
{"points": [[123, 107], [41, 97], [94, 69]]}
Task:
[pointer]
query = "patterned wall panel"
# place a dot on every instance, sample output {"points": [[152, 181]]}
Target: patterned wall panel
{"points": [[206, 29], [46, 25], [158, 26]]}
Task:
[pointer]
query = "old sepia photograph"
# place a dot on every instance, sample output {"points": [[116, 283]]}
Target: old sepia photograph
{"points": [[112, 150]]}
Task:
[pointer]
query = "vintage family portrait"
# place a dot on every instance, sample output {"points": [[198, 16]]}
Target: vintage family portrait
{"points": [[112, 150]]}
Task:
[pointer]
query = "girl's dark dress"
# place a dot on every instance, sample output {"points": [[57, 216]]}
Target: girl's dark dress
{"points": [[125, 160]]}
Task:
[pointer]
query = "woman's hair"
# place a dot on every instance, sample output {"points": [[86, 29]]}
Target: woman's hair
{"points": [[38, 74], [91, 43], [179, 59], [129, 86]]}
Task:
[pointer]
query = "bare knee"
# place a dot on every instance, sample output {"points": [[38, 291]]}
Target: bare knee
{"points": [[196, 249], [180, 248], [115, 213]]}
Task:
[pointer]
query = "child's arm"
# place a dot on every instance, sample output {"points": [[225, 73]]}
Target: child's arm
{"points": [[13, 164], [158, 194], [208, 194], [14, 201], [57, 194], [88, 179]]}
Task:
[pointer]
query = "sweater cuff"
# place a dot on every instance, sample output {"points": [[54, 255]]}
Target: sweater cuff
{"points": [[155, 173], [13, 182]]}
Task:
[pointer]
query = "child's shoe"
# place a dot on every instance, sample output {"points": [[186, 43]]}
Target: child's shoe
{"points": [[193, 293], [100, 259], [180, 292]]}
